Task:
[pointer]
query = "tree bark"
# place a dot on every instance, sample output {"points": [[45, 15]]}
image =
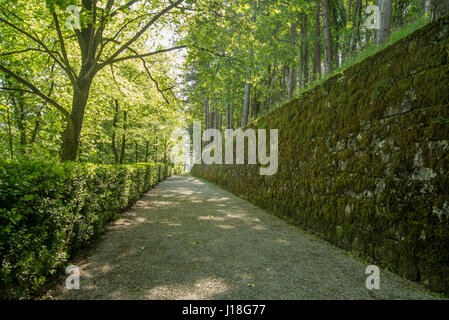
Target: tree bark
{"points": [[212, 120], [36, 129], [385, 20], [356, 25], [247, 91], [305, 52], [327, 37], [146, 151], [71, 140], [316, 70], [228, 116], [114, 129], [156, 158], [291, 69], [231, 119], [122, 152], [206, 114], [438, 8], [11, 147]]}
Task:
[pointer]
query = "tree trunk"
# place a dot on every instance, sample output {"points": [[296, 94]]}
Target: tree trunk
{"points": [[231, 120], [122, 152], [228, 115], [270, 90], [356, 25], [206, 114], [146, 151], [291, 69], [156, 158], [317, 45], [114, 128], [165, 150], [256, 104], [438, 8], [36, 128], [305, 52], [20, 110], [385, 20], [11, 147], [247, 91], [327, 37], [71, 140], [212, 120]]}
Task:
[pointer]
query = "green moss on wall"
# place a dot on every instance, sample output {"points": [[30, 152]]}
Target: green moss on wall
{"points": [[364, 159]]}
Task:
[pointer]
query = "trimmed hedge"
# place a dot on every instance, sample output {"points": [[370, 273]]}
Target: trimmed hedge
{"points": [[49, 210], [364, 159]]}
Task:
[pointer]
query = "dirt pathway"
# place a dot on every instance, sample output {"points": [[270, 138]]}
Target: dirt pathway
{"points": [[188, 239]]}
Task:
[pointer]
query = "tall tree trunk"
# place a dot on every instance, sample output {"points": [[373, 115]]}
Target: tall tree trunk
{"points": [[71, 139], [385, 20], [333, 19], [206, 114], [212, 120], [114, 129], [228, 115], [256, 104], [304, 52], [11, 147], [165, 150], [36, 128], [20, 110], [316, 70], [146, 151], [231, 116], [270, 90], [327, 36], [428, 6], [438, 8], [156, 144], [247, 91], [291, 69], [356, 25], [349, 11], [122, 152]]}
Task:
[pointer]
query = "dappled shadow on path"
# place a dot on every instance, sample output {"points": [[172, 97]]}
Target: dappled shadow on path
{"points": [[187, 239]]}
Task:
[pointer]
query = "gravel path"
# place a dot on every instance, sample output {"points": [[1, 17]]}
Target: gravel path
{"points": [[188, 239]]}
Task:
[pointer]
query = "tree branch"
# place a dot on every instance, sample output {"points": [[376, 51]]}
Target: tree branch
{"points": [[15, 89], [70, 71], [35, 39], [20, 51], [103, 45], [126, 5], [140, 32], [37, 92], [137, 56]]}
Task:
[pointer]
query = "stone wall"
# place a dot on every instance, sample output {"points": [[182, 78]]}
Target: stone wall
{"points": [[364, 159]]}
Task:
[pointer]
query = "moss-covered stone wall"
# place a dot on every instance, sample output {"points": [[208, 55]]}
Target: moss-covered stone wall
{"points": [[364, 159]]}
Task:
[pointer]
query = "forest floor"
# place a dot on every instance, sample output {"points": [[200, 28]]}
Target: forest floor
{"points": [[189, 239]]}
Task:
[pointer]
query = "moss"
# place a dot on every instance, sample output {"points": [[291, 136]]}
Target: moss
{"points": [[356, 153]]}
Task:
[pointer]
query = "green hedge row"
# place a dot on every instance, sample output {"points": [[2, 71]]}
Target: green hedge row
{"points": [[48, 210]]}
